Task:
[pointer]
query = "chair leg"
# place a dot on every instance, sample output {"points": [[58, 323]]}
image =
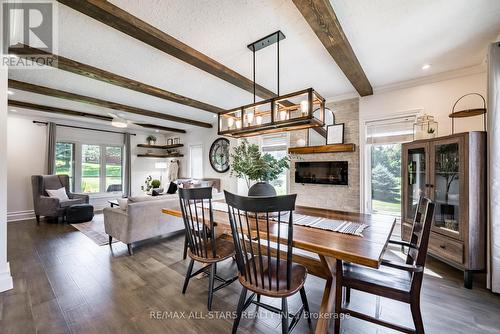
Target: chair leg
{"points": [[347, 295], [110, 240], [188, 276], [258, 298], [130, 250], [284, 316], [184, 255], [239, 309], [417, 316], [211, 279], [37, 219], [303, 296]]}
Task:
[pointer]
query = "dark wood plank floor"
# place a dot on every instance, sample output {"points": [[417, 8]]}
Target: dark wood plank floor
{"points": [[65, 283]]}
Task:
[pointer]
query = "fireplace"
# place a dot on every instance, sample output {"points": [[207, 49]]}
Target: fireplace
{"points": [[322, 172]]}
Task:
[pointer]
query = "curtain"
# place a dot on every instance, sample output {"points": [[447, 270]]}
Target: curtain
{"points": [[127, 181], [494, 167], [51, 147]]}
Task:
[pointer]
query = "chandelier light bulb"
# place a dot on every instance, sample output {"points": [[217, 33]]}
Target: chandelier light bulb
{"points": [[304, 107], [283, 114], [258, 120], [250, 117], [230, 122], [238, 124]]}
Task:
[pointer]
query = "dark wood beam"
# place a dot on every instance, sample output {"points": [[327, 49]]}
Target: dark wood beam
{"points": [[92, 72], [158, 127], [101, 103], [55, 110], [121, 20], [323, 21]]}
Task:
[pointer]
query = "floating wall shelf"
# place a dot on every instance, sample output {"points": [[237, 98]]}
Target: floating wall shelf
{"points": [[160, 146], [151, 155], [323, 149]]}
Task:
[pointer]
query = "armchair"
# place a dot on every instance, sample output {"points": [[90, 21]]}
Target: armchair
{"points": [[50, 206]]}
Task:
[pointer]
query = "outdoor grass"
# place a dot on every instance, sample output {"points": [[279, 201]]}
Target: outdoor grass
{"points": [[386, 207]]}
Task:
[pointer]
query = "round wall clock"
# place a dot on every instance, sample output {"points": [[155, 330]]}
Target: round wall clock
{"points": [[219, 155]]}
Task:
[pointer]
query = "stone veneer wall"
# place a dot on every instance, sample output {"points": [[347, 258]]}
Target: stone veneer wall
{"points": [[333, 197]]}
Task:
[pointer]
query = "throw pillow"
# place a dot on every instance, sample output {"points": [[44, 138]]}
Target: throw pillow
{"points": [[123, 203], [172, 188], [58, 193]]}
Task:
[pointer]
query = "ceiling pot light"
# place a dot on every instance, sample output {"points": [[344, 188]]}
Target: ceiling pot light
{"points": [[425, 67], [9, 92], [119, 122]]}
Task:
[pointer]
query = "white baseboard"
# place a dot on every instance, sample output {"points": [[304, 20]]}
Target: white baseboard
{"points": [[6, 279], [20, 215]]}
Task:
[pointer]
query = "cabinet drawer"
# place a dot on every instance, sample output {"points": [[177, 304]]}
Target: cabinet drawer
{"points": [[446, 248]]}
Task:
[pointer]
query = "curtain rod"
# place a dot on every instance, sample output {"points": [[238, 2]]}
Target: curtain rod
{"points": [[83, 128]]}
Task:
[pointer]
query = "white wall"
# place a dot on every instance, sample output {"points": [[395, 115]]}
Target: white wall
{"points": [[26, 156], [205, 137], [435, 98], [5, 278]]}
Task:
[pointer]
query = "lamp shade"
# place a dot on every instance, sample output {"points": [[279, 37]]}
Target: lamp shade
{"points": [[160, 165]]}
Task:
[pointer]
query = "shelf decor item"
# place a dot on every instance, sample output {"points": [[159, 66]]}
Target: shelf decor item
{"points": [[177, 141], [288, 112], [467, 112], [170, 141], [425, 127], [151, 140], [335, 134], [248, 163]]}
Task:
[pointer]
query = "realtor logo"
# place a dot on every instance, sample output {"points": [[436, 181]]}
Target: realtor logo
{"points": [[28, 32]]}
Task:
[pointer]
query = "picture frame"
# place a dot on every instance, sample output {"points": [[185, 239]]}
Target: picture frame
{"points": [[335, 134]]}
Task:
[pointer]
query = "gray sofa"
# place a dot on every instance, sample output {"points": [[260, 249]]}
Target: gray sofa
{"points": [[49, 206], [142, 219]]}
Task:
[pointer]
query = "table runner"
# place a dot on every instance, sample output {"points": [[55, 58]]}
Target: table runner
{"points": [[334, 225]]}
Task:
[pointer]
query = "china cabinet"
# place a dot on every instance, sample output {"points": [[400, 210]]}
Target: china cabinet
{"points": [[451, 171]]}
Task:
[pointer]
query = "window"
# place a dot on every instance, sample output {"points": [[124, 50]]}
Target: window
{"points": [[98, 170], [276, 145], [113, 158], [383, 144], [91, 168], [196, 161], [65, 161]]}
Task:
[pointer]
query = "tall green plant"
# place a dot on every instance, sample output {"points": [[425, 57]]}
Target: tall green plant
{"points": [[248, 163]]}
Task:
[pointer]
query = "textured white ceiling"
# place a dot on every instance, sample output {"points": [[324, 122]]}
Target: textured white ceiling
{"points": [[392, 39]]}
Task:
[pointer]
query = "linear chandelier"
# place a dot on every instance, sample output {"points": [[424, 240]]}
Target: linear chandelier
{"points": [[299, 110]]}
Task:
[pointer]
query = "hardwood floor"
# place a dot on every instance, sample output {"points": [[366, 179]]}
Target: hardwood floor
{"points": [[65, 283]]}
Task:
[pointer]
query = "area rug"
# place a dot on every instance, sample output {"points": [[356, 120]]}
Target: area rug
{"points": [[94, 230]]}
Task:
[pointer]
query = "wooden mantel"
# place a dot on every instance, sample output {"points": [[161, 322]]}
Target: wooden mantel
{"points": [[323, 149]]}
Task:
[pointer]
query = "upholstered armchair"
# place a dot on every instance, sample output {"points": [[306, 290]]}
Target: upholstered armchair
{"points": [[50, 206]]}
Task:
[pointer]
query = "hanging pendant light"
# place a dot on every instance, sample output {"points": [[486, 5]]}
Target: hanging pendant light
{"points": [[288, 112]]}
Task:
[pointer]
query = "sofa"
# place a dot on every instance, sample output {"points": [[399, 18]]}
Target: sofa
{"points": [[50, 206], [141, 218]]}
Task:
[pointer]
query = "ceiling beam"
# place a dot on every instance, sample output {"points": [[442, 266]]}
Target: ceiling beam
{"points": [[55, 110], [92, 72], [14, 84], [323, 21], [117, 18]]}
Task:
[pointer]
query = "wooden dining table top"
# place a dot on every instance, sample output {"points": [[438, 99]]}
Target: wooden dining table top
{"points": [[366, 250]]}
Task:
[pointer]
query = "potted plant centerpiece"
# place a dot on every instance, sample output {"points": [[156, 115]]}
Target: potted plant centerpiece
{"points": [[248, 163]]}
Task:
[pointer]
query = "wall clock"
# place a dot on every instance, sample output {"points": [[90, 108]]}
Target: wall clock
{"points": [[219, 155]]}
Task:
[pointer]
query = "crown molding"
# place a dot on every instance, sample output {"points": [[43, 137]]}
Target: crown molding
{"points": [[448, 75]]}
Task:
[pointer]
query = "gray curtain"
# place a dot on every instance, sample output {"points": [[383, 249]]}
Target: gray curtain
{"points": [[494, 167], [51, 147], [127, 181]]}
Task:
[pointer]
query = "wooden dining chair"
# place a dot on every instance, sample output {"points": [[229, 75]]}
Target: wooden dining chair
{"points": [[394, 280], [265, 263], [203, 246]]}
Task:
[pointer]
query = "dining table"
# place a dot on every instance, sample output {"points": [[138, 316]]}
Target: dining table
{"points": [[323, 251]]}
